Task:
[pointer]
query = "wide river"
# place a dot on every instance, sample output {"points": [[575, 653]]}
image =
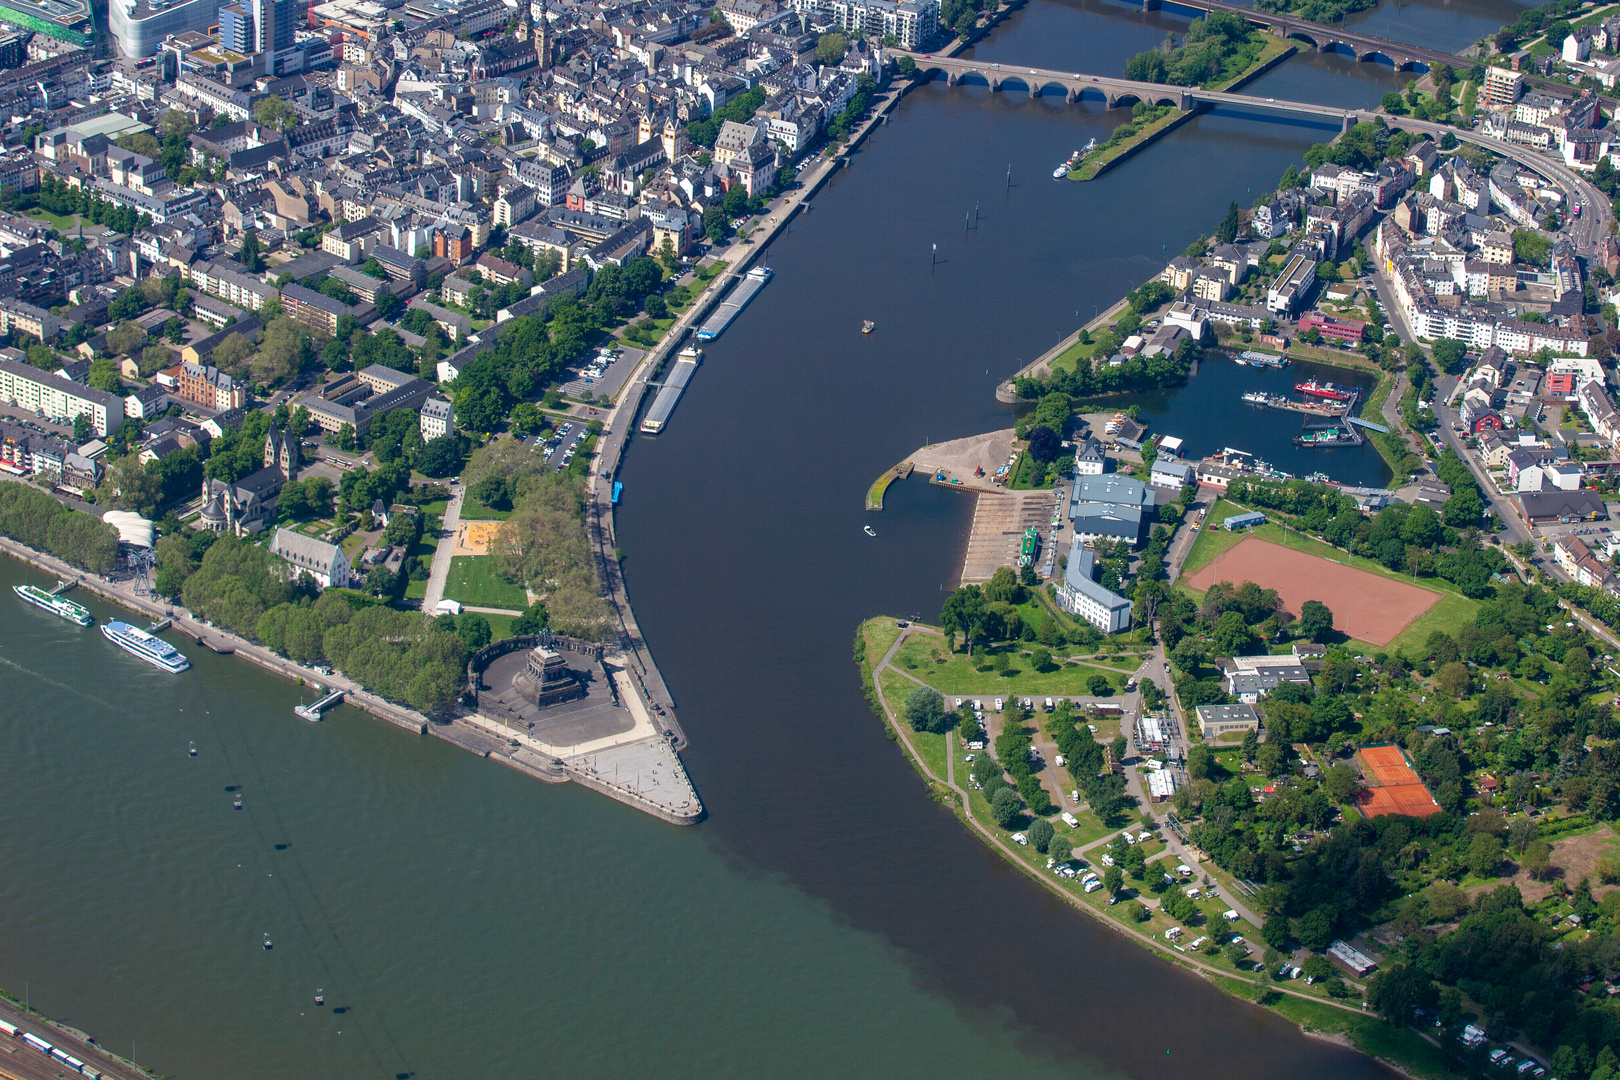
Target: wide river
{"points": [[827, 919]]}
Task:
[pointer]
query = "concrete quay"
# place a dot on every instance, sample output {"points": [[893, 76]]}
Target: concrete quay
{"points": [[460, 728]]}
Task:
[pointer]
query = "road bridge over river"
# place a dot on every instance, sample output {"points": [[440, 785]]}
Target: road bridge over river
{"points": [[1115, 92]]}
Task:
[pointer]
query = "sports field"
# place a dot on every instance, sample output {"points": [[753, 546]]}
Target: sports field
{"points": [[1367, 606], [1399, 790]]}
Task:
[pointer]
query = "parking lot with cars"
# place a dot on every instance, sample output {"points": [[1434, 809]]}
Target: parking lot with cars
{"points": [[560, 444], [603, 374]]}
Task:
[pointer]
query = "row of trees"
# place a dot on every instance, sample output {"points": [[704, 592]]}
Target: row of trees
{"points": [[32, 517], [1409, 538], [534, 350], [544, 546], [239, 585], [57, 197]]}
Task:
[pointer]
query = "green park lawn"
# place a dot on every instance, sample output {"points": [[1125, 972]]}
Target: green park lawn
{"points": [[473, 581], [879, 634], [473, 510], [1066, 360], [1451, 613], [926, 657], [930, 746], [1089, 831], [64, 223], [500, 626]]}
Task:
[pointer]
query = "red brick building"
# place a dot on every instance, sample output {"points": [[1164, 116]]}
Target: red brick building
{"points": [[1333, 326], [454, 242]]}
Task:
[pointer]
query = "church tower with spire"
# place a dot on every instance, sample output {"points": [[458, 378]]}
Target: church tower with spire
{"points": [[542, 39]]}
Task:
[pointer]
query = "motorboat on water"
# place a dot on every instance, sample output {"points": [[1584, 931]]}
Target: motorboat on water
{"points": [[868, 326], [869, 530], [191, 749], [267, 945]]}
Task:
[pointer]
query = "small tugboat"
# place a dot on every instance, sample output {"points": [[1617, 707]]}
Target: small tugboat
{"points": [[868, 326], [869, 530], [320, 997], [191, 749], [267, 945]]}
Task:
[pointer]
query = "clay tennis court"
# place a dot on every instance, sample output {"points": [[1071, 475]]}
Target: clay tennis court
{"points": [[1399, 790], [1365, 606]]}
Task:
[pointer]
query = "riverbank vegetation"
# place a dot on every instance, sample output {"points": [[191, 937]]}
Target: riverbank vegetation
{"points": [[1319, 11], [1542, 21], [401, 654], [1146, 122], [1077, 373], [1500, 909], [1217, 48], [34, 518]]}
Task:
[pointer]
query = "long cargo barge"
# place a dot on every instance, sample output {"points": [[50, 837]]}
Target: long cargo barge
{"points": [[732, 306], [1309, 408], [680, 373]]}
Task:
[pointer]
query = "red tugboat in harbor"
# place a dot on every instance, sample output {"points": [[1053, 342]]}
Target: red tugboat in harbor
{"points": [[1324, 390]]}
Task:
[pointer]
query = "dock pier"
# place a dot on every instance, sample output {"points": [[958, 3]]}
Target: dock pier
{"points": [[313, 712]]}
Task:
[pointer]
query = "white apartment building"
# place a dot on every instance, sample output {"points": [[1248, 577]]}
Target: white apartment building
{"points": [[53, 395], [914, 22], [438, 418]]}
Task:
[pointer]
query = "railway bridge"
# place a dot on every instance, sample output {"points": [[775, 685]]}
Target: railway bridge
{"points": [[1321, 37]]}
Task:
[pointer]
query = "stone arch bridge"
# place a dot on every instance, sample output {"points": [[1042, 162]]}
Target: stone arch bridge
{"points": [[1113, 92]]}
